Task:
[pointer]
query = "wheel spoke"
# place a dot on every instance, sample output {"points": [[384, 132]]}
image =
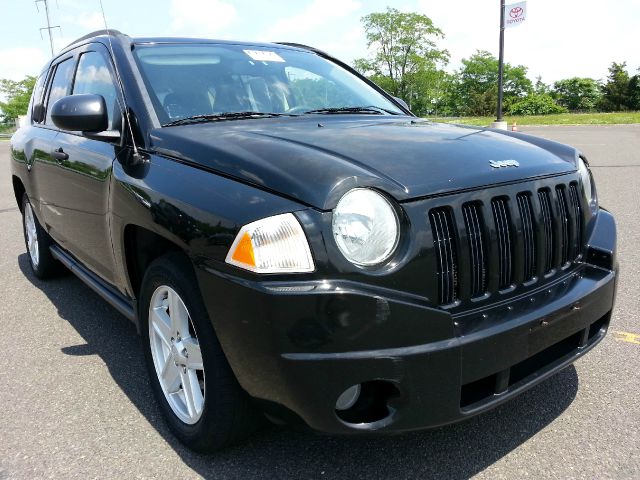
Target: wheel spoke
{"points": [[192, 393], [194, 355], [178, 314], [162, 325], [170, 376], [188, 393]]}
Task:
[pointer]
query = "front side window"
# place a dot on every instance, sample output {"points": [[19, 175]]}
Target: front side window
{"points": [[36, 96], [60, 85], [94, 76], [205, 79]]}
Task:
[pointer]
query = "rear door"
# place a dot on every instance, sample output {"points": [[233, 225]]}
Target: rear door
{"points": [[85, 167]]}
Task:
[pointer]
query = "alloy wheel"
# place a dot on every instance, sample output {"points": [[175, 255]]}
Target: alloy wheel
{"points": [[32, 235], [176, 354]]}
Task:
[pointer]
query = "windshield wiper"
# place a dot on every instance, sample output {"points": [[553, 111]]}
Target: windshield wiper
{"points": [[370, 109], [216, 117]]}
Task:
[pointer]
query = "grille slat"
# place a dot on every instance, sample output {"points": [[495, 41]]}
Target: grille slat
{"points": [[547, 225], [577, 220], [444, 242], [505, 246], [478, 275], [564, 225], [526, 215]]}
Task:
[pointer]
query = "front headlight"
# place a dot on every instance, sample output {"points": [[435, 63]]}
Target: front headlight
{"points": [[365, 227], [272, 245], [587, 182]]}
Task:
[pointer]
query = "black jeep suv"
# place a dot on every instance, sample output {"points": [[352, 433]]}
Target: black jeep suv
{"points": [[289, 239]]}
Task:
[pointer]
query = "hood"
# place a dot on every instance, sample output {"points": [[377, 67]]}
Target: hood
{"points": [[316, 159]]}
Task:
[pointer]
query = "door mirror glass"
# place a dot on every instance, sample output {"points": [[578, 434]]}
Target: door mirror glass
{"points": [[85, 113]]}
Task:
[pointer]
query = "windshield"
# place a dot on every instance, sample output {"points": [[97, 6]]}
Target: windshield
{"points": [[199, 79]]}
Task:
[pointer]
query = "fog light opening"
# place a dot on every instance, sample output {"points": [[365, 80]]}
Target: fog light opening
{"points": [[367, 402], [349, 397]]}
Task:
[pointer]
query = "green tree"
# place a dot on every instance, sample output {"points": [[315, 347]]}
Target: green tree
{"points": [[634, 92], [405, 56], [616, 90], [540, 87], [476, 86], [17, 94], [577, 93]]}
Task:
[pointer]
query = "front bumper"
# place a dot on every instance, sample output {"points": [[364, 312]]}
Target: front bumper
{"points": [[301, 344]]}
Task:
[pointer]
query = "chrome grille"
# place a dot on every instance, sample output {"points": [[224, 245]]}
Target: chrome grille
{"points": [[563, 214], [505, 245], [577, 221], [445, 248], [472, 220], [528, 238], [547, 227]]}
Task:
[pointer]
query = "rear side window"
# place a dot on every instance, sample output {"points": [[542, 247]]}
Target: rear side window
{"points": [[94, 76], [60, 85]]}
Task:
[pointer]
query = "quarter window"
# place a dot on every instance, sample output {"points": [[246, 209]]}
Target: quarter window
{"points": [[59, 85], [94, 76]]}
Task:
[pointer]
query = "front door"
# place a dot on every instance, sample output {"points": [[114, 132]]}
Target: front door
{"points": [[81, 197]]}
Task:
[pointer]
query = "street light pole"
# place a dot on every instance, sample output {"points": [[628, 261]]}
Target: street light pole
{"points": [[501, 63]]}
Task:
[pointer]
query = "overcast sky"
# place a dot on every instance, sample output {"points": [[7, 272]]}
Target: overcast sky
{"points": [[560, 39]]}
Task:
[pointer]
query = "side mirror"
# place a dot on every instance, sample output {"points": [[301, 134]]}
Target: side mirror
{"points": [[85, 113], [401, 102]]}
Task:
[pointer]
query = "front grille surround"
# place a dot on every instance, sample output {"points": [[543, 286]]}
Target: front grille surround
{"points": [[502, 241]]}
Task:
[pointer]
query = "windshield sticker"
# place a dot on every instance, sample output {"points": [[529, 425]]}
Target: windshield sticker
{"points": [[264, 56]]}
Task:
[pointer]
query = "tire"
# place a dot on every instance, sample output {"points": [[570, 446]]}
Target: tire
{"points": [[37, 242], [217, 412]]}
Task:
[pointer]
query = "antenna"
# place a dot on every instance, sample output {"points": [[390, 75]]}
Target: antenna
{"points": [[137, 158], [48, 28]]}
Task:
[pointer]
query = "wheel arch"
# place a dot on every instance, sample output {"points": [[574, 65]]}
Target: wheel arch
{"points": [[141, 247], [18, 190]]}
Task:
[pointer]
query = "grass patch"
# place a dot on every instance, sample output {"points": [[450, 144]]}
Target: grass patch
{"points": [[556, 119]]}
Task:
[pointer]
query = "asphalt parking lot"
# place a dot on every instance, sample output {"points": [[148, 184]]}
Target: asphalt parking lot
{"points": [[75, 401]]}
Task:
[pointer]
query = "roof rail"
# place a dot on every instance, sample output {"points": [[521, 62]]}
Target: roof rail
{"points": [[303, 46], [97, 33]]}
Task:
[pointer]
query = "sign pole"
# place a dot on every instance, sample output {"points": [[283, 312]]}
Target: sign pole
{"points": [[500, 62]]}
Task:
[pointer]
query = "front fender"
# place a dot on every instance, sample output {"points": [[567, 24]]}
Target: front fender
{"points": [[197, 210]]}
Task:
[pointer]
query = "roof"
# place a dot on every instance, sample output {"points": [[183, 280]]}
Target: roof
{"points": [[186, 40], [97, 33]]}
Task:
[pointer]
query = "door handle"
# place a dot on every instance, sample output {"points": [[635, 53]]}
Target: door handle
{"points": [[59, 155]]}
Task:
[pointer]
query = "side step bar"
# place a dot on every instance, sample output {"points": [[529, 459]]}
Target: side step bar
{"points": [[122, 304]]}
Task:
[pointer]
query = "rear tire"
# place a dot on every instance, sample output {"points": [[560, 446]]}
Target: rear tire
{"points": [[38, 242], [181, 348]]}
